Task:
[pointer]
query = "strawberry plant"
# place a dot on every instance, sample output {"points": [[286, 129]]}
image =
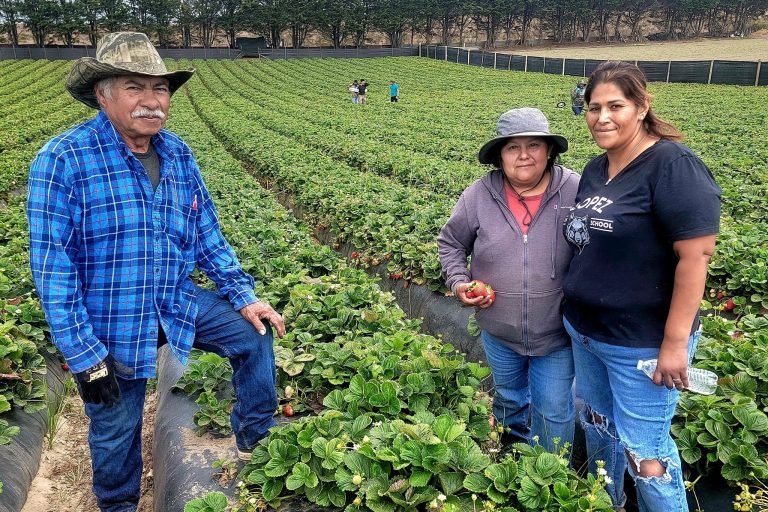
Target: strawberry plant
{"points": [[727, 431], [212, 502]]}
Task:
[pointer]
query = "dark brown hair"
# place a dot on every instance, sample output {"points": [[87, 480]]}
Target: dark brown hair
{"points": [[631, 80]]}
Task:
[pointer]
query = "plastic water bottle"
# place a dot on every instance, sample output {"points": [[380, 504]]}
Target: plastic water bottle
{"points": [[700, 381]]}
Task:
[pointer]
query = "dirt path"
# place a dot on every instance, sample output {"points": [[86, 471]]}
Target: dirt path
{"points": [[63, 481], [752, 49]]}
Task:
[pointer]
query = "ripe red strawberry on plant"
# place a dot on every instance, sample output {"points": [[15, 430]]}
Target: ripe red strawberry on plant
{"points": [[478, 288], [288, 410], [730, 305]]}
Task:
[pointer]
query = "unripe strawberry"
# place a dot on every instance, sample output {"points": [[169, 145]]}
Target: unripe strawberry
{"points": [[289, 392], [357, 480]]}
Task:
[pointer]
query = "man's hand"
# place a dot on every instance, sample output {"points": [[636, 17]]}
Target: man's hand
{"points": [[98, 384], [259, 311]]}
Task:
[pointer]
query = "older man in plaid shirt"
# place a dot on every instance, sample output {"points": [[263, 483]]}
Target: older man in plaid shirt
{"points": [[119, 217]]}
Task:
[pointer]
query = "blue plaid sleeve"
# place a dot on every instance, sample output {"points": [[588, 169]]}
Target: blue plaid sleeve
{"points": [[215, 256], [53, 250]]}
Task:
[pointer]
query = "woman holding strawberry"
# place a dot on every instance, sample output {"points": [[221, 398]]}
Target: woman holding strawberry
{"points": [[643, 230], [509, 223]]}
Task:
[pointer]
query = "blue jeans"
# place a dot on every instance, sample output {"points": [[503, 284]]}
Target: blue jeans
{"points": [[114, 436], [626, 413], [535, 390], [577, 110]]}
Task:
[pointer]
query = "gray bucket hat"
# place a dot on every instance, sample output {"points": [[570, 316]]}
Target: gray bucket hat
{"points": [[120, 54], [520, 122]]}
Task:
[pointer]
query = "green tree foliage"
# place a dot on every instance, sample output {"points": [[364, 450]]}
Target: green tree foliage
{"points": [[351, 22], [9, 13]]}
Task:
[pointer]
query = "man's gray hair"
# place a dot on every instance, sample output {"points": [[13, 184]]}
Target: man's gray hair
{"points": [[105, 86]]}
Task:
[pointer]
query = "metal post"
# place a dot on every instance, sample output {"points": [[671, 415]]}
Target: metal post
{"points": [[544, 67], [757, 75], [584, 73], [563, 67], [468, 57], [446, 53], [526, 64], [711, 65], [669, 67], [494, 60]]}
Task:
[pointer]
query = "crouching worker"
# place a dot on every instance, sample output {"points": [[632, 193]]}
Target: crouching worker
{"points": [[119, 217], [509, 222]]}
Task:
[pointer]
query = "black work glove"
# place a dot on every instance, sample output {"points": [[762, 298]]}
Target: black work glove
{"points": [[98, 384]]}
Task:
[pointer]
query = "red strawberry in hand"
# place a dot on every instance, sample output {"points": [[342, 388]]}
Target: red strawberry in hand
{"points": [[478, 288]]}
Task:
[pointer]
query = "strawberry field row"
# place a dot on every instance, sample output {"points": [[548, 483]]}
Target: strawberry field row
{"points": [[376, 214], [41, 111], [318, 143], [348, 139], [452, 107]]}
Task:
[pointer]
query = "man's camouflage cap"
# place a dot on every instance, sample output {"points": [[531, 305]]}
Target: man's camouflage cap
{"points": [[120, 54]]}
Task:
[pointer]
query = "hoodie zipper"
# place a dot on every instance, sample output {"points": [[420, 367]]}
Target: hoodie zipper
{"points": [[543, 204], [525, 292]]}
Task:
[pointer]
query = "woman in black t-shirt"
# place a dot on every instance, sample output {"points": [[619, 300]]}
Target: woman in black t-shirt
{"points": [[643, 231]]}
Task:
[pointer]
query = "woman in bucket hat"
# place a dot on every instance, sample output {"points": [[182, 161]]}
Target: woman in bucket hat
{"points": [[119, 217], [509, 222]]}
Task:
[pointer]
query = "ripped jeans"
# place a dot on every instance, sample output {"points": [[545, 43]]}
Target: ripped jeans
{"points": [[626, 413]]}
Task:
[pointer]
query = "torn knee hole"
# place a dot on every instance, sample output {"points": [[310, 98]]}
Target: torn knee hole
{"points": [[594, 418], [645, 468]]}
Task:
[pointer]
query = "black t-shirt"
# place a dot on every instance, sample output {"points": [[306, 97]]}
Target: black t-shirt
{"points": [[361, 88], [619, 286]]}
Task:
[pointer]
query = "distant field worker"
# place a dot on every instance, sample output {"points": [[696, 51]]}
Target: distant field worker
{"points": [[577, 97], [119, 217], [354, 90], [362, 89], [509, 222], [394, 91], [643, 231]]}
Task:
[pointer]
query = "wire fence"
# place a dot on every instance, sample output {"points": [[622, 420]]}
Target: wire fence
{"points": [[56, 53], [335, 53], [726, 72]]}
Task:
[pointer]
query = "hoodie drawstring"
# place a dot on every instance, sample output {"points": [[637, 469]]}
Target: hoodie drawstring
{"points": [[556, 232]]}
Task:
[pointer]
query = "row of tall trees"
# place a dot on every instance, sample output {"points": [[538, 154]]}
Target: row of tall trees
{"points": [[348, 22]]}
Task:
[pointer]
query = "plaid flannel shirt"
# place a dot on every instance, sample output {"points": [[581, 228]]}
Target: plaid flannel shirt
{"points": [[111, 258]]}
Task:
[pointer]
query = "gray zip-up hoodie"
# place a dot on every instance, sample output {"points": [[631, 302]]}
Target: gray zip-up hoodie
{"points": [[526, 271]]}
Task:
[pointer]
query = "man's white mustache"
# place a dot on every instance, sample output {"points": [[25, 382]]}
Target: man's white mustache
{"points": [[144, 112]]}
